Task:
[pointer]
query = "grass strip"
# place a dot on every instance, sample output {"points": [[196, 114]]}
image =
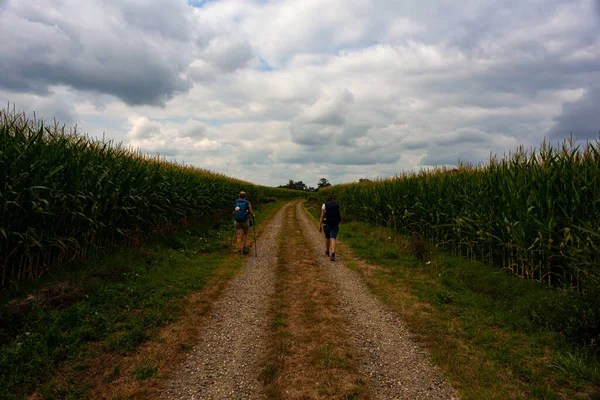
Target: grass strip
{"points": [[310, 355]]}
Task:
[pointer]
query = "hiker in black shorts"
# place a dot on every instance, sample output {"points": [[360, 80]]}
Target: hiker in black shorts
{"points": [[330, 224]]}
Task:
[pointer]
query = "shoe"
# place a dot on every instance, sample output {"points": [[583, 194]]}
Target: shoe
{"points": [[332, 258], [327, 253], [239, 252], [245, 251]]}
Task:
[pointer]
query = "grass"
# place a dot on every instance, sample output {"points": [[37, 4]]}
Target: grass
{"points": [[110, 304], [495, 336], [280, 336], [309, 353], [143, 372]]}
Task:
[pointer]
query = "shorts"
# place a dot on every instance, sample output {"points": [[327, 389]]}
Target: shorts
{"points": [[331, 231], [245, 225]]}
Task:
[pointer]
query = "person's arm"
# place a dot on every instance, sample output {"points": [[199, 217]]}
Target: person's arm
{"points": [[321, 220], [250, 208]]}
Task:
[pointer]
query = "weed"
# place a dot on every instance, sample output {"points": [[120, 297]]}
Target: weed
{"points": [[143, 372], [185, 347], [326, 357], [112, 376]]}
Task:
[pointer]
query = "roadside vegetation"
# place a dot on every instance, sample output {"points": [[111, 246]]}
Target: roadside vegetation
{"points": [[534, 213], [495, 335], [65, 196], [80, 330]]}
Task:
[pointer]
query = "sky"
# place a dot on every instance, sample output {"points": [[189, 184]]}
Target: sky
{"points": [[268, 91]]}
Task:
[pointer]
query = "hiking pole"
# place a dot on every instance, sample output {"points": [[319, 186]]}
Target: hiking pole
{"points": [[255, 247]]}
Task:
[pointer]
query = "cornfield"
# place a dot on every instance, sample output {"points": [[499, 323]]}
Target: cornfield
{"points": [[64, 196], [535, 213]]}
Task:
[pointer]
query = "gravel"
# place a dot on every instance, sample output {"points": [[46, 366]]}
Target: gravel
{"points": [[225, 362], [391, 361]]}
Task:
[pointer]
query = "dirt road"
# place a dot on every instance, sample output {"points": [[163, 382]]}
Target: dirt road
{"points": [[295, 325]]}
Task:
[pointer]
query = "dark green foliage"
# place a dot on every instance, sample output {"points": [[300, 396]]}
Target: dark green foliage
{"points": [[64, 196], [122, 299], [535, 213]]}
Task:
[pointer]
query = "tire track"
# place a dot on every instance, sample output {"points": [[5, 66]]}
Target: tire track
{"points": [[393, 364], [224, 364]]}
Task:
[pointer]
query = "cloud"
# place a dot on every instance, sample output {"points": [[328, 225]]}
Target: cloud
{"points": [[323, 121], [579, 117], [144, 128], [134, 51], [193, 129], [467, 145], [228, 54], [49, 109]]}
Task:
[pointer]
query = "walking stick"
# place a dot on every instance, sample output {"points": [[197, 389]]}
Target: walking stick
{"points": [[255, 247]]}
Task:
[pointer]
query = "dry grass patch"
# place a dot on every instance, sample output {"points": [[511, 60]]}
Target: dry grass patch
{"points": [[312, 357]]}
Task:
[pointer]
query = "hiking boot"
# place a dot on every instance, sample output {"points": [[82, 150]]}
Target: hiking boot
{"points": [[332, 258], [327, 253], [245, 251]]}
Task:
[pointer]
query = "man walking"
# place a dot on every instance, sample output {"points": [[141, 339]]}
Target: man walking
{"points": [[242, 209], [330, 224]]}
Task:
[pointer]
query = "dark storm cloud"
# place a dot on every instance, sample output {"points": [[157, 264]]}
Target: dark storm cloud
{"points": [[135, 51], [142, 84], [580, 117], [527, 78]]}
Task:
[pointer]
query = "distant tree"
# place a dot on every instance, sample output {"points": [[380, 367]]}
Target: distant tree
{"points": [[299, 185], [323, 183], [361, 180]]}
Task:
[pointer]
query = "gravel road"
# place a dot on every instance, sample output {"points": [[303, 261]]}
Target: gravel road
{"points": [[226, 361], [224, 364]]}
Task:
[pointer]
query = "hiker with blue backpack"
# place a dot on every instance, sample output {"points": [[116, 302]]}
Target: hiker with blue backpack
{"points": [[242, 209]]}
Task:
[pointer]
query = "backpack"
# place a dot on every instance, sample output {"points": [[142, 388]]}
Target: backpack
{"points": [[332, 213], [241, 210]]}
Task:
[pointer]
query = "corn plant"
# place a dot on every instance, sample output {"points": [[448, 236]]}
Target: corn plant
{"points": [[535, 213], [64, 196]]}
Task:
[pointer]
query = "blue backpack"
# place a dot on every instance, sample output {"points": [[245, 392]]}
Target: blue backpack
{"points": [[240, 210]]}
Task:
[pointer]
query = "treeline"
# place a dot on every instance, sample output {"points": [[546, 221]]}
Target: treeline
{"points": [[299, 185]]}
